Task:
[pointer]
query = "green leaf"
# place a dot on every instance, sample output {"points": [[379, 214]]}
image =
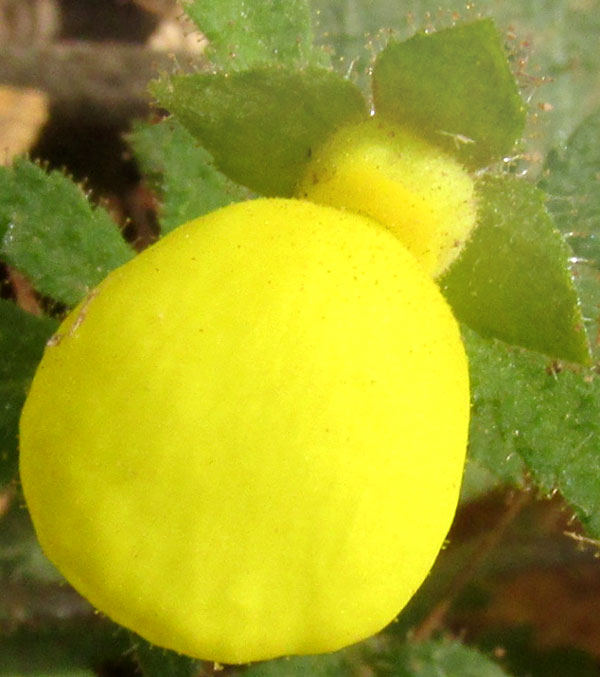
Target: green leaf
{"points": [[547, 415], [566, 56], [324, 665], [22, 340], [245, 34], [260, 126], [22, 562], [478, 477], [436, 658], [456, 87], [572, 178], [156, 662], [512, 280], [37, 664], [50, 232], [181, 172], [82, 647]]}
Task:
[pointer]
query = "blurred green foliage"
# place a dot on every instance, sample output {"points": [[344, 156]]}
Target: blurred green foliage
{"points": [[535, 418]]}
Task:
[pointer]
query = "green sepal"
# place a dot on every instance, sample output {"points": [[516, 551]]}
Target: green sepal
{"points": [[261, 125], [456, 88], [513, 279]]}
